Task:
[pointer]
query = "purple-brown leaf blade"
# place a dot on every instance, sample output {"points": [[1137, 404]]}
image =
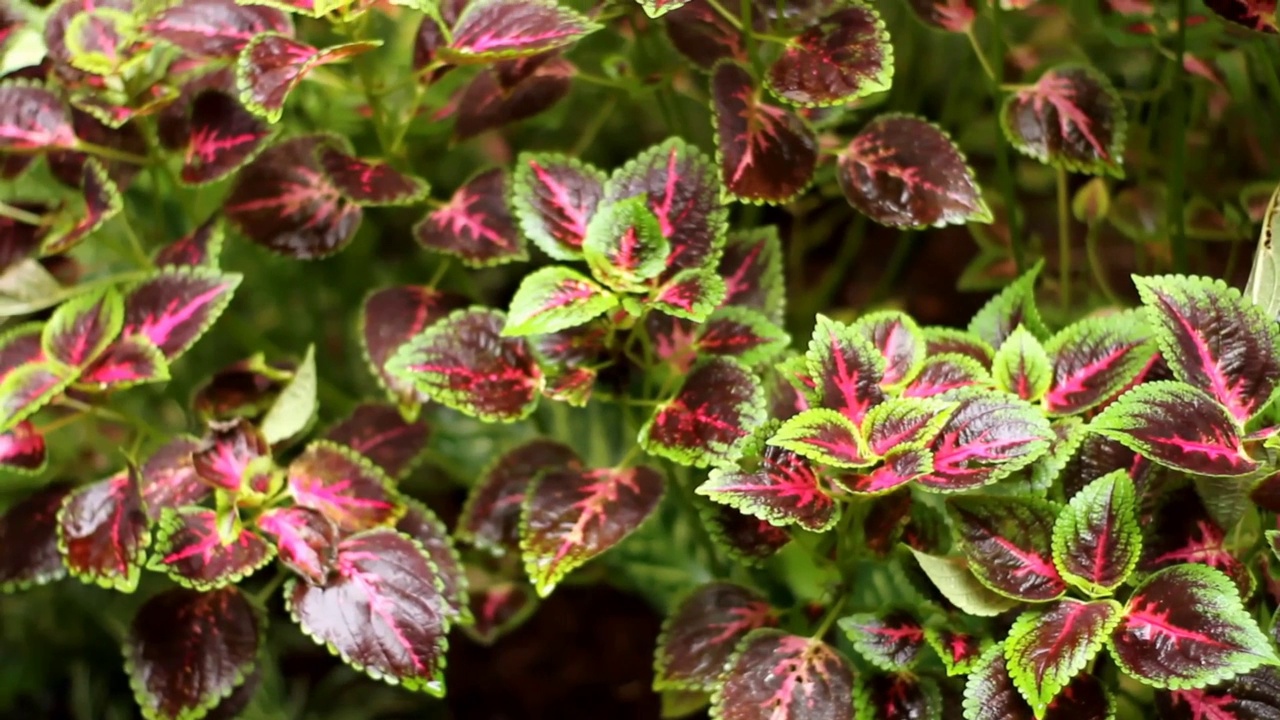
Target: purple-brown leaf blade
{"points": [[839, 58], [22, 449], [715, 409], [33, 118], [306, 541], [103, 532], [345, 486], [422, 525], [190, 547], [702, 631], [391, 317], [988, 436], [554, 199], [777, 676], [772, 484], [1094, 359], [891, 641], [215, 28], [476, 224], [29, 540], [490, 518], [223, 136], [490, 30], [1008, 541], [1097, 540], [176, 306], [491, 102], [1047, 648], [367, 182], [381, 434], [847, 368], [1071, 118], [990, 694]]}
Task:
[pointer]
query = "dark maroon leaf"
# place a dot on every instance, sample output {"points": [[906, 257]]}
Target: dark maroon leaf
{"points": [[488, 104], [188, 650], [959, 651], [426, 45], [1097, 538], [176, 306], [223, 137], [947, 372], [990, 694], [32, 119], [22, 449], [465, 363], [744, 537], [389, 318], [173, 122], [68, 165], [777, 676], [76, 221], [891, 641], [200, 552], [82, 328], [1094, 359], [1071, 117], [244, 389], [841, 57], [272, 65], [955, 16], [1255, 695], [1182, 531], [1009, 541], [703, 35], [572, 515], [345, 486], [403, 641], [716, 408], [56, 28], [380, 433], [767, 154], [127, 362], [701, 633], [29, 540], [224, 458], [773, 484], [500, 608], [476, 224], [904, 172], [284, 202], [752, 270], [1259, 15], [899, 341], [30, 387], [422, 525], [488, 30], [1047, 648], [490, 518], [554, 198], [897, 696], [20, 240], [103, 532], [987, 437], [365, 182], [169, 479], [200, 247], [215, 28], [306, 541], [939, 340]]}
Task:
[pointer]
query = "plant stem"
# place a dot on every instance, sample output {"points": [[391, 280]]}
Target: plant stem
{"points": [[833, 613], [17, 213], [594, 125], [1178, 180], [1096, 266], [110, 153], [733, 19], [1064, 241], [1004, 165], [982, 57]]}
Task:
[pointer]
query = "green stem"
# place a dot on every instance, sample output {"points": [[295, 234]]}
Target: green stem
{"points": [[594, 125], [22, 216], [982, 57], [1064, 240], [833, 613], [441, 269], [1177, 182], [730, 17], [1004, 165], [1096, 265], [110, 153]]}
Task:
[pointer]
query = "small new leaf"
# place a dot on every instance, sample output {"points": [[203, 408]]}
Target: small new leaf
{"points": [[555, 298], [1097, 541]]}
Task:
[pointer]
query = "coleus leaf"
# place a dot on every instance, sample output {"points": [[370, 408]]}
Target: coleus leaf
{"points": [[512, 91], [1181, 530], [29, 539], [745, 538], [499, 608], [904, 172], [423, 526], [624, 245], [825, 436], [490, 519], [464, 362], [700, 33], [33, 119], [202, 551], [988, 436], [742, 333], [902, 423], [947, 372], [766, 154], [1214, 339], [572, 515], [227, 457], [957, 583], [701, 633], [489, 30], [476, 224], [223, 136], [891, 640], [200, 247], [554, 198], [103, 532], [367, 182], [940, 340], [773, 484], [247, 389], [284, 201], [841, 57], [1022, 367], [101, 202], [990, 694], [404, 641], [1094, 359], [1008, 541], [1179, 427], [680, 185], [1097, 540], [847, 368], [896, 696], [1184, 627], [1071, 118], [82, 328], [955, 16], [29, 388], [899, 341], [555, 298], [752, 270], [391, 317], [1257, 15], [22, 449], [692, 294], [1249, 696], [169, 479], [714, 410], [777, 676], [306, 541], [899, 466], [186, 650], [294, 408], [345, 486], [273, 64], [959, 651], [1048, 647], [127, 362], [215, 28], [1013, 306], [381, 434]]}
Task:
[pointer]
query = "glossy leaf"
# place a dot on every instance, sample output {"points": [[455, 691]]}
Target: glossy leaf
{"points": [[1214, 339], [223, 136], [1097, 540], [284, 201], [847, 368], [200, 551], [701, 633], [554, 199], [344, 486], [1047, 648], [215, 28], [103, 532], [272, 65], [773, 484], [572, 515], [381, 434], [990, 694], [899, 341], [423, 526], [1254, 695], [1179, 427], [390, 318], [691, 294], [988, 436], [33, 118], [188, 650], [555, 298], [716, 408], [29, 539], [1094, 359], [904, 172], [1008, 541], [902, 423], [1071, 118], [1181, 530], [767, 154], [169, 479], [1185, 627], [366, 182], [841, 57], [777, 676], [226, 457], [699, 33], [940, 340], [752, 270], [946, 372], [956, 581], [101, 201], [465, 363], [306, 541], [489, 30], [825, 436], [82, 328], [490, 518], [1013, 306], [898, 467], [476, 224], [891, 640], [958, 651], [738, 332], [403, 641]]}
